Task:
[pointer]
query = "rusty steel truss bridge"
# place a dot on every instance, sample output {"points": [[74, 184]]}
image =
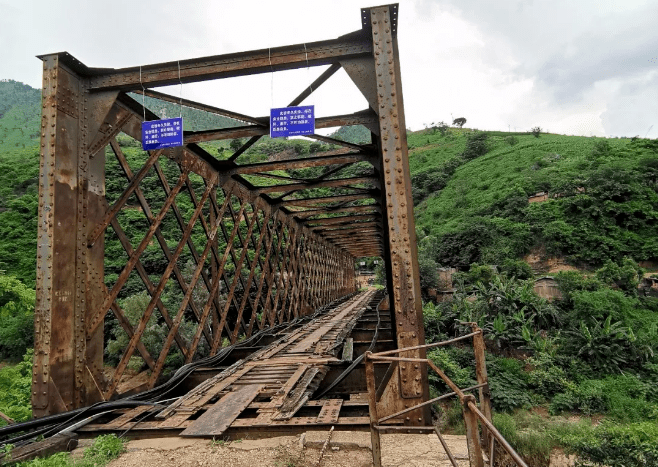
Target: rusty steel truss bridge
{"points": [[246, 267]]}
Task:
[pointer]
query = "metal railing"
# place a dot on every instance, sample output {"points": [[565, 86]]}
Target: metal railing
{"points": [[472, 413]]}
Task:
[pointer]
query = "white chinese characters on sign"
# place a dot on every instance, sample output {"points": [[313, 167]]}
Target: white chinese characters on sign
{"points": [[292, 121]]}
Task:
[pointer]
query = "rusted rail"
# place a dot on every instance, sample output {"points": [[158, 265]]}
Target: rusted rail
{"points": [[471, 412]]}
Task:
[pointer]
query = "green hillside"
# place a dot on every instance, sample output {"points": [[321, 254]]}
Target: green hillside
{"points": [[193, 120], [470, 188], [592, 352], [19, 170], [471, 193]]}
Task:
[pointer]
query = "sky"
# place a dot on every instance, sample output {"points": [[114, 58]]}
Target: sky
{"points": [[577, 67]]}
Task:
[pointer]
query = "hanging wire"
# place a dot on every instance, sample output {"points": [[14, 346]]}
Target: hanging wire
{"points": [[269, 57], [181, 91], [308, 71], [143, 91]]}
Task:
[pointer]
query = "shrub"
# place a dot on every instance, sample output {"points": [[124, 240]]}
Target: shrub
{"points": [[476, 145], [624, 398], [601, 149], [433, 317], [461, 376], [626, 276], [104, 449], [315, 147], [536, 131], [632, 445], [478, 273], [546, 378], [607, 346], [236, 144], [16, 317], [518, 269], [509, 384], [15, 390], [511, 140], [453, 417], [588, 398], [570, 282], [529, 441], [153, 338]]}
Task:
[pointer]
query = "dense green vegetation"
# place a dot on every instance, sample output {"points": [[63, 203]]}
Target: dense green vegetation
{"points": [[591, 353], [19, 171], [471, 192], [15, 390]]}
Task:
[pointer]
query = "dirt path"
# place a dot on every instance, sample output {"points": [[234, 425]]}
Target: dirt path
{"points": [[347, 449]]}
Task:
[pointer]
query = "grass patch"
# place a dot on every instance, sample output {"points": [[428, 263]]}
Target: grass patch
{"points": [[104, 449]]}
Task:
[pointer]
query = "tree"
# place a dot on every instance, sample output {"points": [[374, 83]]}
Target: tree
{"points": [[236, 144], [460, 122], [536, 131], [442, 127], [16, 317]]}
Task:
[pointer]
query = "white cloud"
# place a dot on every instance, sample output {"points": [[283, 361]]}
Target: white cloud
{"points": [[586, 67]]}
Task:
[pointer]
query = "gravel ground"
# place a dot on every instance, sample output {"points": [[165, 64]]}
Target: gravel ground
{"points": [[347, 449]]}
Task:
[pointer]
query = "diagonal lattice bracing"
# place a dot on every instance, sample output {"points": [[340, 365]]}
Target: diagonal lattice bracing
{"points": [[170, 255]]}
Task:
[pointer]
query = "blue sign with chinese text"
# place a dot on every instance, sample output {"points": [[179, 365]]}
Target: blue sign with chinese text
{"points": [[158, 134], [292, 121]]}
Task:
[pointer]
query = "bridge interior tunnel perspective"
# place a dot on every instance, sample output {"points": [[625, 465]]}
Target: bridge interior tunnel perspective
{"points": [[242, 268]]}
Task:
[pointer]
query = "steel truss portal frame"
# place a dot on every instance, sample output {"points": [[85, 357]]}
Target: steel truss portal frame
{"points": [[269, 251]]}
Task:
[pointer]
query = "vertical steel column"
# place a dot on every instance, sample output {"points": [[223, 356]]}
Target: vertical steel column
{"points": [[400, 229], [68, 364]]}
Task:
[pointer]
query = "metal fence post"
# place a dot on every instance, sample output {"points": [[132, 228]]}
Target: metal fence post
{"points": [[481, 373], [372, 406], [472, 438]]}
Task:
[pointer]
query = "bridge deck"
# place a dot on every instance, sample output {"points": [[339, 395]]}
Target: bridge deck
{"points": [[270, 390]]}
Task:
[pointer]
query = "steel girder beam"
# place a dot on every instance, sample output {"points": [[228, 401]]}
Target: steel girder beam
{"points": [[291, 57], [362, 118], [308, 214], [340, 219], [341, 182], [331, 199], [204, 107], [317, 161]]}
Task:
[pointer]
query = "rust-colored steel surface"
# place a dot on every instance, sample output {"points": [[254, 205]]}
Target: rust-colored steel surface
{"points": [[228, 245]]}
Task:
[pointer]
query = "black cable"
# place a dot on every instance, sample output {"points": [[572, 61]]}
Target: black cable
{"points": [[56, 423]]}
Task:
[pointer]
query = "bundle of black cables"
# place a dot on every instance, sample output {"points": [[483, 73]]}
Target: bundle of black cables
{"points": [[53, 424]]}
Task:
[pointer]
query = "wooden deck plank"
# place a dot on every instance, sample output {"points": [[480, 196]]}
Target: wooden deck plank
{"points": [[219, 417], [127, 417]]}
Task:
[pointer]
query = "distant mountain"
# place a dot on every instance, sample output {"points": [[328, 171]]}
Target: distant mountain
{"points": [[356, 134], [13, 93], [19, 114], [193, 120]]}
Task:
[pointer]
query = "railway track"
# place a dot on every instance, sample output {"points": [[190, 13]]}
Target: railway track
{"points": [[271, 389]]}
